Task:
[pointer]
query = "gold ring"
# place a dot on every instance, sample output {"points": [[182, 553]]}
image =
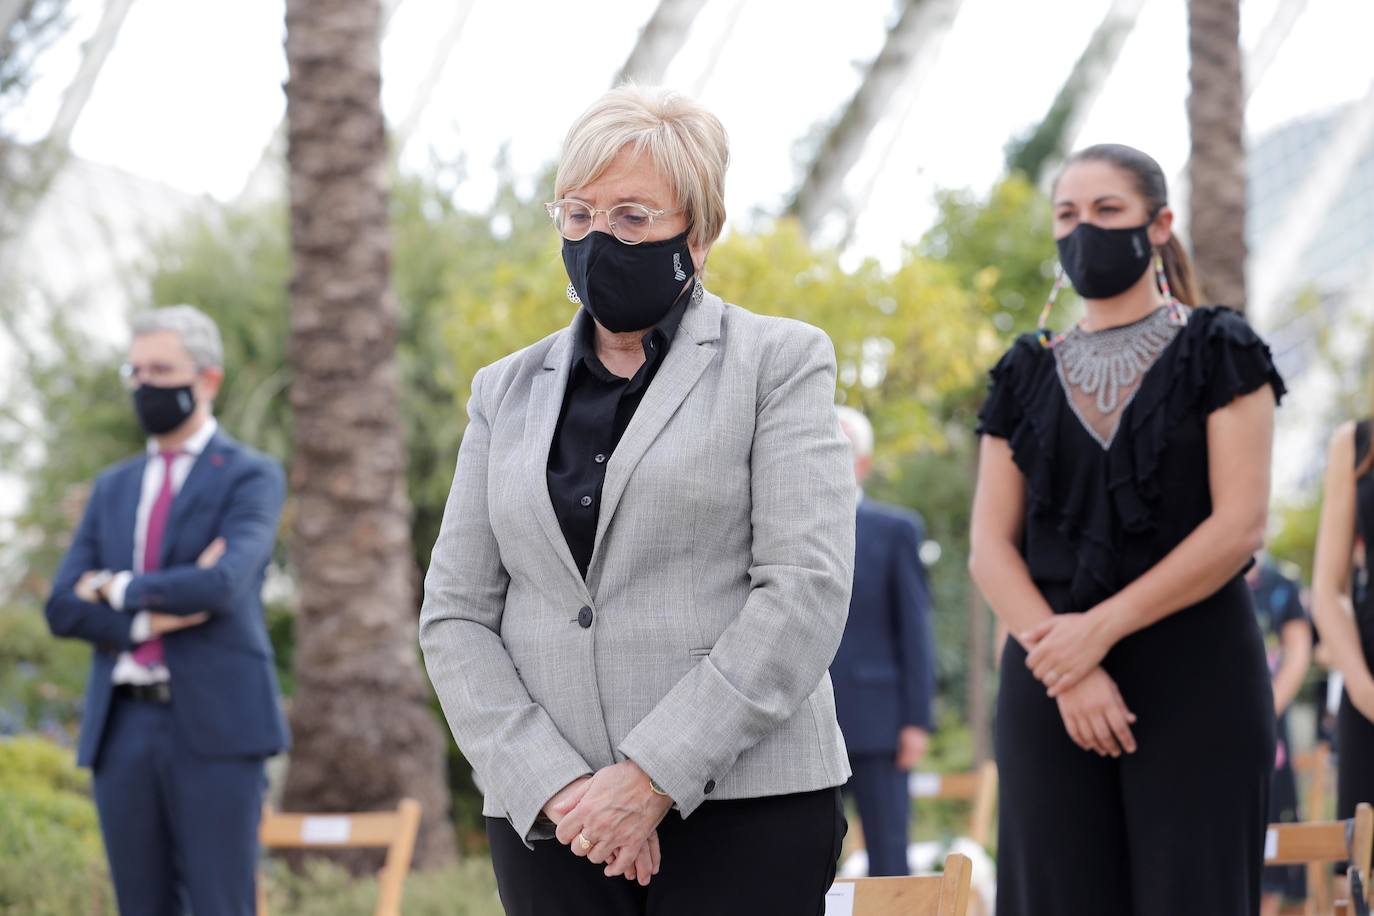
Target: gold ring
{"points": [[583, 842]]}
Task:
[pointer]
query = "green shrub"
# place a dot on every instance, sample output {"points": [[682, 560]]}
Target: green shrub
{"points": [[325, 889], [52, 862]]}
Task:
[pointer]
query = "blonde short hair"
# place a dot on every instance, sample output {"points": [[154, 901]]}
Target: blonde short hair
{"points": [[685, 142]]}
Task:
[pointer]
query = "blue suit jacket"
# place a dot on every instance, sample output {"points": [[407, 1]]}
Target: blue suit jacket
{"points": [[223, 680], [884, 671]]}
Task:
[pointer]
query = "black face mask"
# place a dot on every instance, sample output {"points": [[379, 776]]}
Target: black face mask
{"points": [[628, 287], [1103, 263], [162, 410]]}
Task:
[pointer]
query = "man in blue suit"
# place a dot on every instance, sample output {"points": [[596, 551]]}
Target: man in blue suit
{"points": [[884, 671], [164, 578]]}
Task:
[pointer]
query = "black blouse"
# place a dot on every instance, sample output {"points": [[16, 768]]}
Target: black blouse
{"points": [[1097, 519], [597, 407]]}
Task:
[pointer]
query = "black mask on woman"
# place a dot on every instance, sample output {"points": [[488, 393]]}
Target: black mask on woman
{"points": [[628, 287], [1102, 263], [161, 410]]}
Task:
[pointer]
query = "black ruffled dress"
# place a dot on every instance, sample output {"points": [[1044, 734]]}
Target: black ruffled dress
{"points": [[1176, 828]]}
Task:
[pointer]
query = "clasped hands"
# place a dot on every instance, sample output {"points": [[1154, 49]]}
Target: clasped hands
{"points": [[612, 817], [1065, 654], [92, 585]]}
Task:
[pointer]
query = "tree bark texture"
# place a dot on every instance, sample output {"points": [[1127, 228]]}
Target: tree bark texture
{"points": [[364, 735], [1216, 165]]}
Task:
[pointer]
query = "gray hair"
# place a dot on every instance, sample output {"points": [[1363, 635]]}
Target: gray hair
{"points": [[198, 332], [857, 429]]}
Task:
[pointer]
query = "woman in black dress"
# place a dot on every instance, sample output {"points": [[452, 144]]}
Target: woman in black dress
{"points": [[1122, 490], [1347, 626]]}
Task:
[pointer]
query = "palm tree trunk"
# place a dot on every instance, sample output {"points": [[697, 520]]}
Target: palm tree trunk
{"points": [[821, 194], [1216, 166], [661, 38], [363, 731]]}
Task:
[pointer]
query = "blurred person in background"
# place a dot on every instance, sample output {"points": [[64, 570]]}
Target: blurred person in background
{"points": [[1288, 646], [645, 562], [884, 671], [1123, 489], [1343, 609], [164, 578]]}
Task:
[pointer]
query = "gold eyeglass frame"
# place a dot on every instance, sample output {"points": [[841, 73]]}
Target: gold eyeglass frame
{"points": [[653, 217]]}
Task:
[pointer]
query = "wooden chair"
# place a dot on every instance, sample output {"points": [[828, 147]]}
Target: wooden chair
{"points": [[393, 831], [1315, 767], [933, 895], [978, 786], [1325, 842]]}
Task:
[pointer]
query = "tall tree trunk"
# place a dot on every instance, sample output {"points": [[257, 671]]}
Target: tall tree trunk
{"points": [[822, 189], [364, 734], [659, 41], [1048, 144], [1216, 166]]}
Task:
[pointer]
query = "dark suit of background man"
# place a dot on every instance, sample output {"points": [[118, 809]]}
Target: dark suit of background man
{"points": [[884, 671], [164, 578]]}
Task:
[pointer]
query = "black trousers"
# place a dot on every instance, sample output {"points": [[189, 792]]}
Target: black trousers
{"points": [[774, 855]]}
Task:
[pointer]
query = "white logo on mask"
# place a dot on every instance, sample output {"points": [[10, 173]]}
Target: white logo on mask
{"points": [[678, 273]]}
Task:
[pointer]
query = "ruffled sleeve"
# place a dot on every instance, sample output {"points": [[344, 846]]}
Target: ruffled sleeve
{"points": [[1002, 412], [1237, 362]]}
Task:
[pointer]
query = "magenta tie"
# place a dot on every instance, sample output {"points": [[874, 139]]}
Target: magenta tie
{"points": [[149, 653]]}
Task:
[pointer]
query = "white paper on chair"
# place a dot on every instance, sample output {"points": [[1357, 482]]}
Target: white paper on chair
{"points": [[325, 830], [839, 900]]}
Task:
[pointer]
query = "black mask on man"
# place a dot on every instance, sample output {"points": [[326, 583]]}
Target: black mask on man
{"points": [[1102, 263], [628, 287], [161, 410]]}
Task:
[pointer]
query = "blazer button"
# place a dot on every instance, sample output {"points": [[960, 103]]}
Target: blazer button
{"points": [[710, 786], [584, 617]]}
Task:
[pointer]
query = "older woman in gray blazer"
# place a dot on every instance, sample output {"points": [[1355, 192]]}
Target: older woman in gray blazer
{"points": [[645, 562]]}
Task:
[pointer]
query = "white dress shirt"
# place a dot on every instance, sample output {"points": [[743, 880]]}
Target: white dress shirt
{"points": [[126, 670]]}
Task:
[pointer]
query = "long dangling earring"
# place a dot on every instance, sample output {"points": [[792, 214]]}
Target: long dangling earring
{"points": [[572, 295], [1177, 313], [1043, 333]]}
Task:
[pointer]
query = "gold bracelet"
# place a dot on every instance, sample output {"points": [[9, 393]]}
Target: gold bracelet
{"points": [[657, 789]]}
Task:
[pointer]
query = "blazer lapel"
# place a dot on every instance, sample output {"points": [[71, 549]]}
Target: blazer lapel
{"points": [[545, 404], [204, 473], [126, 511], [690, 354]]}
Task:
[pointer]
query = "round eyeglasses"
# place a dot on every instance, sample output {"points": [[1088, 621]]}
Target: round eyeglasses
{"points": [[630, 223]]}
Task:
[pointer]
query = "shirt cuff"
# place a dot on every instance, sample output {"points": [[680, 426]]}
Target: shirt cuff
{"points": [[142, 628], [114, 592]]}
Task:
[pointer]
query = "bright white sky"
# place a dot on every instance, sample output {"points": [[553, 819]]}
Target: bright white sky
{"points": [[192, 91]]}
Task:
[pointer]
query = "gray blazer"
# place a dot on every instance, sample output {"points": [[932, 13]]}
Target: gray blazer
{"points": [[717, 592]]}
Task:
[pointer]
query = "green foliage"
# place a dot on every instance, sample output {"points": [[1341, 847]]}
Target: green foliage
{"points": [[1002, 248], [67, 417], [325, 889], [41, 678], [51, 858]]}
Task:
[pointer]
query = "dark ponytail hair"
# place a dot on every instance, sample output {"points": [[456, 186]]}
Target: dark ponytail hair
{"points": [[1151, 185]]}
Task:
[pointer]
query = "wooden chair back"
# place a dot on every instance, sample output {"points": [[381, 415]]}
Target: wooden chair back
{"points": [[1315, 767], [1325, 842], [930, 895], [978, 786], [394, 831]]}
